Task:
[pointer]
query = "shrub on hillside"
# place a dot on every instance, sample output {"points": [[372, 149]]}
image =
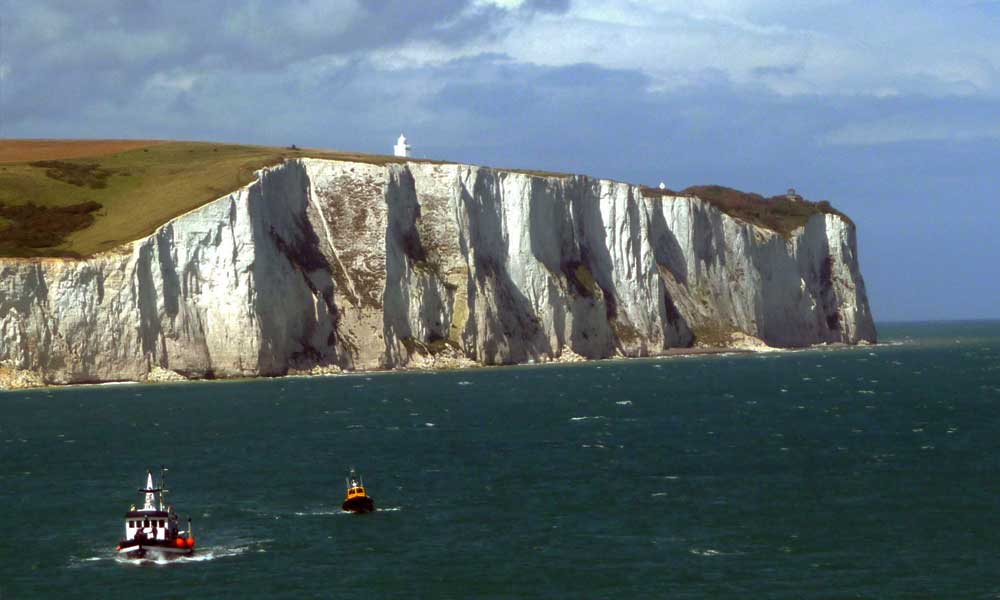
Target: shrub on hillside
{"points": [[79, 174], [32, 227], [777, 213]]}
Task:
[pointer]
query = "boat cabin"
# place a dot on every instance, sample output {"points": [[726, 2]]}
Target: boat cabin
{"points": [[358, 500], [154, 520], [155, 524]]}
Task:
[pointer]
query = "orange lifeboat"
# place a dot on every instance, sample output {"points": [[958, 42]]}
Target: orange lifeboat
{"points": [[357, 500]]}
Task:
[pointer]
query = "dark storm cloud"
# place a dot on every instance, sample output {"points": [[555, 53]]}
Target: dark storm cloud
{"points": [[62, 57], [247, 35]]}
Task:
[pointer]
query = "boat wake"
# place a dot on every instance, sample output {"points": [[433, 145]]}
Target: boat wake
{"points": [[711, 552], [321, 513], [338, 512], [200, 555]]}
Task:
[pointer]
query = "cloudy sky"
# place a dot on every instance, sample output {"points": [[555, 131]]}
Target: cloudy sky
{"points": [[889, 109]]}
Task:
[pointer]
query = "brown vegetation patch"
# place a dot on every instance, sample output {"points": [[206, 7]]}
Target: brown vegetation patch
{"points": [[433, 346], [580, 277], [776, 213], [79, 174], [648, 192], [626, 333], [713, 335], [40, 228], [538, 173], [32, 150]]}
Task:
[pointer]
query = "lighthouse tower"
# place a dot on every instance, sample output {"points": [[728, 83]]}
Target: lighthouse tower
{"points": [[401, 148]]}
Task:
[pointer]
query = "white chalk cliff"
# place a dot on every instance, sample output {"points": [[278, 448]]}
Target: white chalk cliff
{"points": [[331, 264]]}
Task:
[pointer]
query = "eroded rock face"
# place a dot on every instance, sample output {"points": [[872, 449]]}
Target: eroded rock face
{"points": [[323, 265]]}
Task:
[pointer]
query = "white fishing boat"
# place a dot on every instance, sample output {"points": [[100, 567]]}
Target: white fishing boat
{"points": [[153, 530]]}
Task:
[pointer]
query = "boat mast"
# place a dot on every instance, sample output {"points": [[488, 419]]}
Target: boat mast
{"points": [[150, 491]]}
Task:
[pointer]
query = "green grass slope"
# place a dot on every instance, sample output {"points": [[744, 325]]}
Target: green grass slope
{"points": [[75, 207]]}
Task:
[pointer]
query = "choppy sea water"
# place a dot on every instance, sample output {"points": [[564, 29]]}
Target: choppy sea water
{"points": [[827, 473]]}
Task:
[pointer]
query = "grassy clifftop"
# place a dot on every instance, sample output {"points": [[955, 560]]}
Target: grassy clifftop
{"points": [[74, 198]]}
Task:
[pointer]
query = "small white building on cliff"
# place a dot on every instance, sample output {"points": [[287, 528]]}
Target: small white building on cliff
{"points": [[401, 148]]}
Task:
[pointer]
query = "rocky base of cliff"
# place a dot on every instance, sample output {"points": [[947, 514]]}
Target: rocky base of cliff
{"points": [[18, 379]]}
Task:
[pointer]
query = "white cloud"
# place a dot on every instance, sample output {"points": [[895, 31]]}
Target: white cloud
{"points": [[790, 48], [417, 54], [505, 4], [175, 81]]}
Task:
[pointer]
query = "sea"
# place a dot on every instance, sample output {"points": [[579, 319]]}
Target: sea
{"points": [[863, 472]]}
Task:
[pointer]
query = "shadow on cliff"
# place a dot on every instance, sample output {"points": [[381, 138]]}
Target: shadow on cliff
{"points": [[585, 265], [165, 318], [146, 301], [295, 306], [669, 256], [508, 329], [410, 269], [550, 229], [817, 318]]}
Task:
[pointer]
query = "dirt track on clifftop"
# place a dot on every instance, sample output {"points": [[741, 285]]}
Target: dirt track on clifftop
{"points": [[12, 151]]}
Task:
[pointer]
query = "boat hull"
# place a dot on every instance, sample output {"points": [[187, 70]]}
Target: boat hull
{"points": [[359, 505], [152, 548]]}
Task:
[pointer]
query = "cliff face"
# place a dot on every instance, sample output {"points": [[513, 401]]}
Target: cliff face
{"points": [[330, 264]]}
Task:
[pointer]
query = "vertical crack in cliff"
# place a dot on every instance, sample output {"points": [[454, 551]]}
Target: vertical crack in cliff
{"points": [[312, 198]]}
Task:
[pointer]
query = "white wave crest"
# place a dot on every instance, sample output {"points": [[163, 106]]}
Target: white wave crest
{"points": [[320, 513], [200, 555]]}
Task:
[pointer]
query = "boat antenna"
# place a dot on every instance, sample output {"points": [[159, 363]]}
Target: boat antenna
{"points": [[163, 486]]}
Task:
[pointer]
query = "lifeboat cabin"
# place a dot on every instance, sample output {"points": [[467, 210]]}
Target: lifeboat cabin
{"points": [[358, 500], [154, 528]]}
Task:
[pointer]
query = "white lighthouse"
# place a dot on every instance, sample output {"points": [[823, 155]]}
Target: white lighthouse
{"points": [[401, 148]]}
